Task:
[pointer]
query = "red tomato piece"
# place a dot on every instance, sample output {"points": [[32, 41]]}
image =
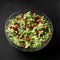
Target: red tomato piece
{"points": [[27, 38], [12, 27], [37, 21], [31, 27], [21, 44], [38, 17], [20, 37], [15, 27], [18, 18], [41, 21], [37, 32], [28, 47]]}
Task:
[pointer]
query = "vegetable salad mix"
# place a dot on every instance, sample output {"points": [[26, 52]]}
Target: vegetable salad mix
{"points": [[28, 30]]}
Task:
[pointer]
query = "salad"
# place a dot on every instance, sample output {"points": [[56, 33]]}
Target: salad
{"points": [[28, 30]]}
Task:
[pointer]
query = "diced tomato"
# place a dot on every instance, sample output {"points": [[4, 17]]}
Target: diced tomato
{"points": [[27, 38], [18, 18], [28, 47], [20, 37], [38, 17], [15, 27], [31, 27], [41, 21], [37, 21], [12, 27], [37, 32], [21, 44]]}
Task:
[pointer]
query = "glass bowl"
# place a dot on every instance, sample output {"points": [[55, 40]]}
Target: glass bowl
{"points": [[13, 15]]}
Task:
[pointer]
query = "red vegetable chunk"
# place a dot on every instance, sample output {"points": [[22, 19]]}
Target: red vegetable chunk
{"points": [[38, 17], [21, 44], [12, 27], [15, 27], [31, 27], [27, 38], [18, 18], [37, 21], [37, 32], [20, 37], [28, 47]]}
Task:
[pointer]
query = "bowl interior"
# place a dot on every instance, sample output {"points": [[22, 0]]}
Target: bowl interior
{"points": [[24, 11]]}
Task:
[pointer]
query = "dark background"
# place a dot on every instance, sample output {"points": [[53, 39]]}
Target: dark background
{"points": [[50, 8]]}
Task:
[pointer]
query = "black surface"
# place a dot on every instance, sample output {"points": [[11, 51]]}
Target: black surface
{"points": [[49, 7]]}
